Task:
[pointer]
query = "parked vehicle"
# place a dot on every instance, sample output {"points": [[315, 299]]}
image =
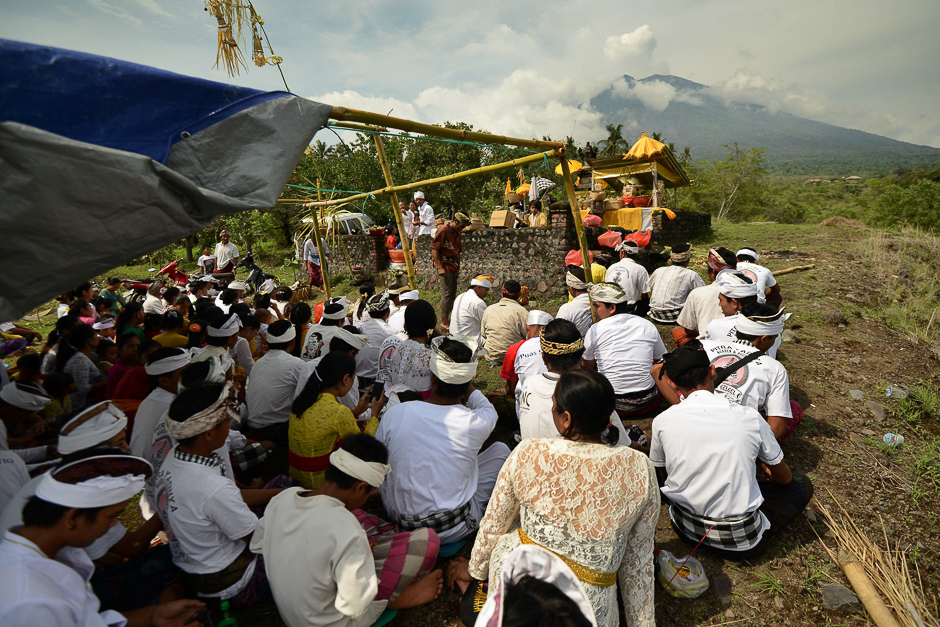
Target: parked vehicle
{"points": [[258, 280]]}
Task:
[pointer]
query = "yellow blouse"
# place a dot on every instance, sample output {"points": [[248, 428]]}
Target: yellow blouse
{"points": [[316, 434]]}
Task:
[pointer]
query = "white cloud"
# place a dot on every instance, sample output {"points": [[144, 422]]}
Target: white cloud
{"points": [[355, 100], [153, 7], [655, 95], [640, 42], [117, 12]]}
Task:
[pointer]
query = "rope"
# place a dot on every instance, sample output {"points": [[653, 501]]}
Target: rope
{"points": [[681, 566]]}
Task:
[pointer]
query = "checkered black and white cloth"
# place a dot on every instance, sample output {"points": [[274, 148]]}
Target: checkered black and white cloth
{"points": [[666, 316], [539, 186], [439, 521], [736, 534]]}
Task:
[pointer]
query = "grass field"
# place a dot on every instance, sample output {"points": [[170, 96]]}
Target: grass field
{"points": [[885, 286]]}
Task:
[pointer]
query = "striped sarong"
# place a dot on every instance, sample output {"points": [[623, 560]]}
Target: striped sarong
{"points": [[400, 556]]}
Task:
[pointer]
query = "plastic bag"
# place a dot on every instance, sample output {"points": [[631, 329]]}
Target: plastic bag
{"points": [[690, 582], [642, 238], [592, 220], [609, 239], [574, 258]]}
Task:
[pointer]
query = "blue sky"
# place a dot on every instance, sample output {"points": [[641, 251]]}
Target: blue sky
{"points": [[528, 68]]}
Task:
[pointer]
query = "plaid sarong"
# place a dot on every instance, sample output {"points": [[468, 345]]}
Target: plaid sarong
{"points": [[637, 403], [665, 316], [439, 521], [737, 533], [400, 556], [248, 457]]}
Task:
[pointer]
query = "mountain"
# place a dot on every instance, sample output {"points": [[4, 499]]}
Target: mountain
{"points": [[794, 145]]}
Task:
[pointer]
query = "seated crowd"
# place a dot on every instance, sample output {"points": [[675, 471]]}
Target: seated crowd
{"points": [[188, 399]]}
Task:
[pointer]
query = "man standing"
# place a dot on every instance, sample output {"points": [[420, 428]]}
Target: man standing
{"points": [[466, 317], [312, 259], [424, 220], [504, 324], [669, 286], [407, 218], [701, 306], [226, 253], [445, 254]]}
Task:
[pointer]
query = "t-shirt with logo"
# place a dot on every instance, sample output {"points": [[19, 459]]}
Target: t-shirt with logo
{"points": [[760, 275], [726, 330], [762, 384]]}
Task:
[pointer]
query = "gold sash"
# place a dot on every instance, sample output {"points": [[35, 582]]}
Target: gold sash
{"points": [[585, 574]]}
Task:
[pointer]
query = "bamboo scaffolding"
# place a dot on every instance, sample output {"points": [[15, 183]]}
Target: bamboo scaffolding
{"points": [[435, 181], [365, 117], [352, 126], [323, 259], [576, 218], [409, 264]]}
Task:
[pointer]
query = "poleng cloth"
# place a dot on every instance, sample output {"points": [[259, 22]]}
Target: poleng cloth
{"points": [[93, 426], [446, 369]]}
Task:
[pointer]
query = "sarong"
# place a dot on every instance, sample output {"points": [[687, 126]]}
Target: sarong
{"points": [[400, 556]]}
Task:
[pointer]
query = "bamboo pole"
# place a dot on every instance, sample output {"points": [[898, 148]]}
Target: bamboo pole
{"points": [[576, 217], [409, 264], [435, 181], [352, 126], [365, 117], [795, 269], [323, 259], [867, 594]]}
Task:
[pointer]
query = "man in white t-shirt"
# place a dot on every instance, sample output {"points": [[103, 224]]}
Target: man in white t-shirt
{"points": [[397, 319], [206, 261], [524, 358], [670, 286], [466, 317], [701, 306], [376, 329], [627, 273], [207, 520], [623, 348], [407, 219], [226, 253], [578, 309], [424, 221], [164, 369], [767, 289], [270, 389], [735, 292], [317, 341], [442, 480], [706, 450]]}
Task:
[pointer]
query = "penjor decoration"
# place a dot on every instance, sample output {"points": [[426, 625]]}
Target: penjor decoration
{"points": [[232, 16]]}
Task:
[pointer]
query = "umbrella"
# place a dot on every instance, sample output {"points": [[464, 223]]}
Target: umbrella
{"points": [[573, 166], [508, 186], [645, 147], [129, 155]]}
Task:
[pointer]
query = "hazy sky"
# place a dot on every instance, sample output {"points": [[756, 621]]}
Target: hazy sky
{"points": [[529, 68]]}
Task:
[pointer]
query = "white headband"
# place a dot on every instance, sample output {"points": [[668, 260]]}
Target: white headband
{"points": [[372, 473], [731, 285], [99, 491], [419, 195], [608, 293], [448, 370], [107, 323], [628, 246], [747, 252], [537, 317], [482, 281], [284, 337], [533, 560], [336, 315], [30, 401], [574, 282], [409, 295], [356, 341], [758, 327], [93, 426], [168, 364], [231, 327], [237, 286]]}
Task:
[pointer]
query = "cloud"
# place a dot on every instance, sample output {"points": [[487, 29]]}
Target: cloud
{"points": [[117, 12], [640, 42], [152, 6], [355, 100], [655, 95]]}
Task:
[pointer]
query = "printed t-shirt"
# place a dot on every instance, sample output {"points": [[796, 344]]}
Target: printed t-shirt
{"points": [[762, 384]]}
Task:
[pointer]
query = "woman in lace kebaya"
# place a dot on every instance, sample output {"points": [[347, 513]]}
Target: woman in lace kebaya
{"points": [[592, 503]]}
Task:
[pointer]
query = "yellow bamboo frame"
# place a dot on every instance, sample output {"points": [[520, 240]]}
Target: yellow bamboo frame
{"points": [[409, 264], [323, 259], [576, 218]]}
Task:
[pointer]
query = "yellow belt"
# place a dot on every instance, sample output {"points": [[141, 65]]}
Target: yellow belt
{"points": [[585, 574]]}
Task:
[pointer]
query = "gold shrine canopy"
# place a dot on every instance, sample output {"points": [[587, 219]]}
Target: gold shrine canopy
{"points": [[648, 160]]}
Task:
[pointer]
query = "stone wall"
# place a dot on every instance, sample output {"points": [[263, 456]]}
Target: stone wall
{"points": [[364, 250]]}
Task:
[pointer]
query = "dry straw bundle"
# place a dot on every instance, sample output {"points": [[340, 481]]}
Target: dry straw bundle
{"points": [[878, 573]]}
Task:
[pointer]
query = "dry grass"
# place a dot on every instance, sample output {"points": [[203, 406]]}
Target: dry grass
{"points": [[888, 568]]}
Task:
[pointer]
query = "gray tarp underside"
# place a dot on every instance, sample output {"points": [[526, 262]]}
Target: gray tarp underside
{"points": [[70, 210]]}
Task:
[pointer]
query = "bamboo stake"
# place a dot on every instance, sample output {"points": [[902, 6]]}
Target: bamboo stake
{"points": [[316, 228], [409, 264], [855, 573], [435, 181], [351, 126], [794, 269], [354, 115], [576, 217]]}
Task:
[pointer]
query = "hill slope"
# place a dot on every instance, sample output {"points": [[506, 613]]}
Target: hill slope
{"points": [[794, 145]]}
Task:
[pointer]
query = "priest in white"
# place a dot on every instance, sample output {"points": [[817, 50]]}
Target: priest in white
{"points": [[424, 222], [467, 316]]}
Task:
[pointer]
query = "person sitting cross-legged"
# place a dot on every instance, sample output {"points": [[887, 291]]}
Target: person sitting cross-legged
{"points": [[709, 452], [578, 309], [524, 358], [359, 565], [503, 324], [768, 291], [582, 497], [467, 315], [701, 306], [630, 275], [441, 479], [735, 292], [669, 286]]}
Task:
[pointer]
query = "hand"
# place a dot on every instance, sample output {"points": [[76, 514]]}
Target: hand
{"points": [[176, 613], [763, 471], [256, 483], [269, 445], [377, 405], [441, 271], [458, 571], [364, 401]]}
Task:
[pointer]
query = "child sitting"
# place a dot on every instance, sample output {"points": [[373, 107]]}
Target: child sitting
{"points": [[59, 386], [27, 368], [107, 355]]}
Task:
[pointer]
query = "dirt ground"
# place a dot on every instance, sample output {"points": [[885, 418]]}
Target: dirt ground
{"points": [[842, 347]]}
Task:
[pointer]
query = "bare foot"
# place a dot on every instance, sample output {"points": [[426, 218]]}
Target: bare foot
{"points": [[420, 591]]}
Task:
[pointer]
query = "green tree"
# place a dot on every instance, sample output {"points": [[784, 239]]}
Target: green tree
{"points": [[722, 187], [917, 205], [615, 144]]}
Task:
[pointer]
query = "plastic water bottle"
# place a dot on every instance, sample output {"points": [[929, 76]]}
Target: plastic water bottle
{"points": [[896, 392], [228, 618], [893, 439]]}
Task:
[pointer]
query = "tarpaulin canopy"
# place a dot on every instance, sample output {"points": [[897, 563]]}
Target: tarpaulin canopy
{"points": [[103, 161]]}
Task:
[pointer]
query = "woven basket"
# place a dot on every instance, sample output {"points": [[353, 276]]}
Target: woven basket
{"points": [[514, 198]]}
